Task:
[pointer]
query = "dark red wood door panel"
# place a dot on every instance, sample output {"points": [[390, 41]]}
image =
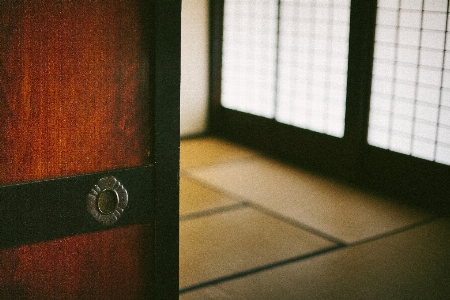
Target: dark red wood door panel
{"points": [[86, 88], [74, 93], [78, 268]]}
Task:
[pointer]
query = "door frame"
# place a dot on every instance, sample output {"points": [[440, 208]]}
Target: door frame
{"points": [[166, 147]]}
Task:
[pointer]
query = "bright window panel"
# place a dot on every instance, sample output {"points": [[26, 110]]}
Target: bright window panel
{"points": [[313, 59], [249, 56], [292, 68], [410, 104]]}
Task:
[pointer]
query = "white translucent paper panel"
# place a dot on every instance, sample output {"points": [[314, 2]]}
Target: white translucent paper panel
{"points": [[312, 70], [249, 56], [410, 104]]}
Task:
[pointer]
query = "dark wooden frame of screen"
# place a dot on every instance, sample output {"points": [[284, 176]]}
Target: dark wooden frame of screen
{"points": [[54, 209], [351, 159]]}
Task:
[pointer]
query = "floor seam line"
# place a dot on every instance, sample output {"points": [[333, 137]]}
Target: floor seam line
{"points": [[267, 211], [394, 231], [259, 269], [213, 211], [214, 164]]}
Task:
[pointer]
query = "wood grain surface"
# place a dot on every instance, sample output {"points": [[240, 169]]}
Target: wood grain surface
{"points": [[112, 264], [74, 99], [74, 94]]}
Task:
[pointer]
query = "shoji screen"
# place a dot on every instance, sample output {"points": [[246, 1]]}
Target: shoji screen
{"points": [[312, 75], [410, 103], [249, 56], [287, 60]]}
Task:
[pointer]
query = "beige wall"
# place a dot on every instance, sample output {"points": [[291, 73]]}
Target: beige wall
{"points": [[194, 66]]}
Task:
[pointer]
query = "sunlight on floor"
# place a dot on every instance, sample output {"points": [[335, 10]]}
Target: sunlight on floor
{"points": [[252, 228]]}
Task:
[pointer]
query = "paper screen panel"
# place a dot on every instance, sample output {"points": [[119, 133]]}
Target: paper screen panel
{"points": [[410, 103], [287, 60], [313, 59], [249, 56]]}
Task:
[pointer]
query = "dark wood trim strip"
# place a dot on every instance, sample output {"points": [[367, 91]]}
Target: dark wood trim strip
{"points": [[166, 141], [216, 10], [359, 82], [51, 209]]}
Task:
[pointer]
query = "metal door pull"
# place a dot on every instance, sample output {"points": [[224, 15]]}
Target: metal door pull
{"points": [[107, 200]]}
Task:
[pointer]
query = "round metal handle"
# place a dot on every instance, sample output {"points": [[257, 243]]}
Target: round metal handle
{"points": [[107, 200]]}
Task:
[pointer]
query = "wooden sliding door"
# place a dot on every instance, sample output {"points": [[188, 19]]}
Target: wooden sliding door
{"points": [[89, 149]]}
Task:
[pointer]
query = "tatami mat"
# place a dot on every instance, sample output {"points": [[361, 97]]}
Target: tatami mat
{"points": [[253, 228]]}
